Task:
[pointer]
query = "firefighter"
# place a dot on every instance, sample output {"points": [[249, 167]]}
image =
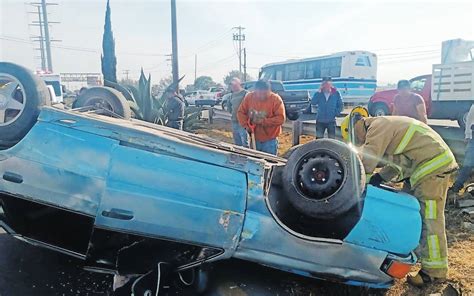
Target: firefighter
{"points": [[408, 149]]}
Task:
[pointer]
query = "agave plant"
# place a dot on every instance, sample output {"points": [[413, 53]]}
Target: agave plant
{"points": [[149, 108]]}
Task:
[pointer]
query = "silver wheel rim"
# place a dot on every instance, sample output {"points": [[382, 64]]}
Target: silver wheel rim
{"points": [[12, 99]]}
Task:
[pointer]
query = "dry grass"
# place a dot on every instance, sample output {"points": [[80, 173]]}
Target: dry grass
{"points": [[222, 130], [460, 241]]}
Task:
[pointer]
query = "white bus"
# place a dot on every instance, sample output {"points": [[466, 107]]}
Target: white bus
{"points": [[354, 74]]}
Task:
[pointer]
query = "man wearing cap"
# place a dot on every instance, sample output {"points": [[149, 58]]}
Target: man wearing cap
{"points": [[263, 113], [409, 150], [174, 109], [238, 93], [329, 103], [408, 103]]}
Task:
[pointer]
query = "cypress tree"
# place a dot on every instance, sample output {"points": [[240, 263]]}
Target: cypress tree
{"points": [[108, 58]]}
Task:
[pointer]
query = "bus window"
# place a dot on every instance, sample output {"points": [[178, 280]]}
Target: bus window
{"points": [[331, 67], [279, 71], [363, 61], [268, 73], [313, 69], [295, 71]]}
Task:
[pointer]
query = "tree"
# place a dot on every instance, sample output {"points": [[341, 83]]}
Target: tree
{"points": [[162, 84], [236, 73], [108, 58], [204, 82]]}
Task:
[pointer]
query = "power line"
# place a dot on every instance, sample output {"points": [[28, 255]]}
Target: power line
{"points": [[410, 59], [228, 58], [239, 37], [75, 48]]}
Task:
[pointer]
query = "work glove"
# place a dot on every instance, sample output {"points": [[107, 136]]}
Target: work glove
{"points": [[376, 180]]}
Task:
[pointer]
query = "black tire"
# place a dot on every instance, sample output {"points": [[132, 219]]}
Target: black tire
{"points": [[290, 151], [36, 95], [380, 109], [293, 115], [102, 97], [323, 179]]}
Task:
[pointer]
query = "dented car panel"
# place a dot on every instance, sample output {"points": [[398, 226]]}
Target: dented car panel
{"points": [[123, 195], [173, 197]]}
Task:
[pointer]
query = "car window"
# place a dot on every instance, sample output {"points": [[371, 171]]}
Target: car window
{"points": [[276, 86], [418, 84]]}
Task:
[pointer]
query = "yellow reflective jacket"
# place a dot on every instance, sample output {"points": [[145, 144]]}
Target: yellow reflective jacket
{"points": [[405, 147]]}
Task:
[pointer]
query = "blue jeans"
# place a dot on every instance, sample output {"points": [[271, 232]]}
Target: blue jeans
{"points": [[270, 146], [321, 127], [467, 166], [240, 135]]}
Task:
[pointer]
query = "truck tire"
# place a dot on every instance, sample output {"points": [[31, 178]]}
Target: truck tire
{"points": [[22, 94], [102, 97], [323, 179], [380, 109]]}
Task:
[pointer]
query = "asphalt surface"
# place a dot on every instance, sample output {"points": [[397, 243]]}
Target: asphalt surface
{"points": [[26, 270]]}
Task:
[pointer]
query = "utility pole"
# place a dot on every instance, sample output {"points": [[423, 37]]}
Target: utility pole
{"points": [[126, 72], [245, 64], [240, 38], [44, 38], [174, 40], [47, 39], [195, 67], [41, 41]]}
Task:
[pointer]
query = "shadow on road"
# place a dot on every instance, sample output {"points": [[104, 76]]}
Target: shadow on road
{"points": [[26, 270]]}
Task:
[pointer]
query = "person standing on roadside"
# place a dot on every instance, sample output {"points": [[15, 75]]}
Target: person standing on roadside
{"points": [[468, 163], [329, 103], [265, 111], [236, 97], [174, 109], [408, 103]]}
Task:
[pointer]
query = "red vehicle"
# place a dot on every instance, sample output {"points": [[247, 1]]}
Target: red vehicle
{"points": [[381, 103], [449, 96]]}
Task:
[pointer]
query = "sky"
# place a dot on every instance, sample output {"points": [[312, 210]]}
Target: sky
{"points": [[406, 35]]}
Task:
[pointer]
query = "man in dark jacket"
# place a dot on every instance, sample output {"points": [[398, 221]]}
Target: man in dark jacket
{"points": [[329, 104], [174, 109], [233, 104]]}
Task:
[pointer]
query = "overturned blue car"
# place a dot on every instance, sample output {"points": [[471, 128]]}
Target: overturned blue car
{"points": [[125, 195]]}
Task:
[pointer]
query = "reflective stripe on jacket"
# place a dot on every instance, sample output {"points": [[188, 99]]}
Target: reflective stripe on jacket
{"points": [[406, 147]]}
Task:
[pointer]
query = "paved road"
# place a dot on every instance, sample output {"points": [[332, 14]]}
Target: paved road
{"points": [[30, 271]]}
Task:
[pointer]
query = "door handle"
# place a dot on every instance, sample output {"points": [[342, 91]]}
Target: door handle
{"points": [[118, 214], [12, 177]]}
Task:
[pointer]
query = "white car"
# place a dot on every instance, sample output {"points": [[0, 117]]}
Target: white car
{"points": [[200, 97]]}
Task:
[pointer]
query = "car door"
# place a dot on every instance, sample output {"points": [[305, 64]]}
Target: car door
{"points": [[175, 198], [52, 183]]}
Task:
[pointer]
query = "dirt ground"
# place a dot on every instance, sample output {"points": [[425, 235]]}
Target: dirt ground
{"points": [[460, 240]]}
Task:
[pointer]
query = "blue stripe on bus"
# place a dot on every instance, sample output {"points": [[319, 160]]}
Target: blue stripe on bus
{"points": [[333, 79], [339, 85]]}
